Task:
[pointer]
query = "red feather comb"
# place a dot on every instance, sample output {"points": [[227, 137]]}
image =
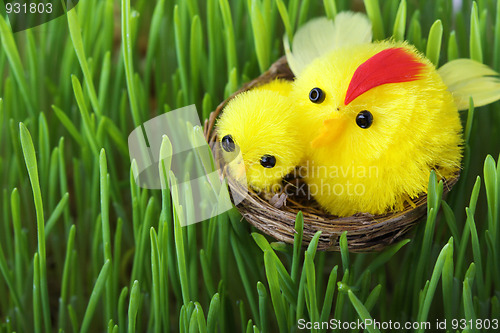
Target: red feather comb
{"points": [[392, 65]]}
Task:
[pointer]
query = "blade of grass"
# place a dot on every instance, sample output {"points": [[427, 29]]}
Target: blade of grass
{"points": [[452, 52], [244, 277], [261, 36], [311, 249], [142, 239], [213, 313], [155, 272], [104, 80], [276, 297], [495, 307], [8, 277], [128, 61], [232, 83], [490, 182], [263, 299], [213, 46], [362, 311], [243, 316], [10, 48], [400, 22], [496, 47], [133, 307], [63, 299], [311, 288], [476, 250], [196, 53], [87, 120], [20, 253], [286, 283], [207, 274], [56, 213], [373, 11], [330, 9], [32, 166], [429, 294], [43, 150], [199, 318], [231, 57], [153, 40], [286, 19], [328, 299], [344, 250], [451, 222], [293, 10], [68, 124], [179, 240], [433, 204], [304, 11], [470, 315], [53, 178], [371, 300], [36, 294], [434, 42], [76, 37], [476, 52], [95, 295], [339, 304], [181, 54], [447, 284], [122, 316], [297, 244], [386, 255], [106, 234]]}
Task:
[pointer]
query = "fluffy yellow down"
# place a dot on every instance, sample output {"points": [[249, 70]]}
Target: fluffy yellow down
{"points": [[261, 122], [416, 129]]}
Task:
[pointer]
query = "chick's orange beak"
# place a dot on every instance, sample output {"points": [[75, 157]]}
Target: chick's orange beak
{"points": [[331, 130]]}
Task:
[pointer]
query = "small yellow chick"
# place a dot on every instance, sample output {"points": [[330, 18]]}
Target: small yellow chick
{"points": [[258, 136], [379, 118]]}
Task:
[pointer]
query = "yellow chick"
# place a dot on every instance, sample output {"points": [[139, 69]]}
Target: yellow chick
{"points": [[258, 137], [379, 117]]}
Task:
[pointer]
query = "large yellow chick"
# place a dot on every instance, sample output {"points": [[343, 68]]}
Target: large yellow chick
{"points": [[379, 119], [258, 137]]}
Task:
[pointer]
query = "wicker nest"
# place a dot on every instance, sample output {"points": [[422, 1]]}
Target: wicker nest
{"points": [[276, 215]]}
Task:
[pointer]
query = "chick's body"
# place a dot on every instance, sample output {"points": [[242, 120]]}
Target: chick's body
{"points": [[261, 125], [414, 128]]}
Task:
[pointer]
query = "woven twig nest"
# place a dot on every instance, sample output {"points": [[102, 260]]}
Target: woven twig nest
{"points": [[276, 216]]}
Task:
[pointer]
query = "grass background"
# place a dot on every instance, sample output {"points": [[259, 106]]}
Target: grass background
{"points": [[82, 248]]}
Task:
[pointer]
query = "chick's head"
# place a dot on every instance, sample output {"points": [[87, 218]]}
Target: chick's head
{"points": [[353, 112], [258, 136]]}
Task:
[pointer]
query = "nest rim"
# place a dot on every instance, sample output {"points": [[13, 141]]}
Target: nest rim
{"points": [[365, 232]]}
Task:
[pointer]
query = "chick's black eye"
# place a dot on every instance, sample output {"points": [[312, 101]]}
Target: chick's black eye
{"points": [[228, 143], [316, 95], [364, 119], [268, 161]]}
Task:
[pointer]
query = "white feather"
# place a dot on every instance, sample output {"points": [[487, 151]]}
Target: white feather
{"points": [[320, 36], [466, 78]]}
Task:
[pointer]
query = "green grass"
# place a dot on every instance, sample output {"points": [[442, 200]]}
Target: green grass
{"points": [[83, 248]]}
